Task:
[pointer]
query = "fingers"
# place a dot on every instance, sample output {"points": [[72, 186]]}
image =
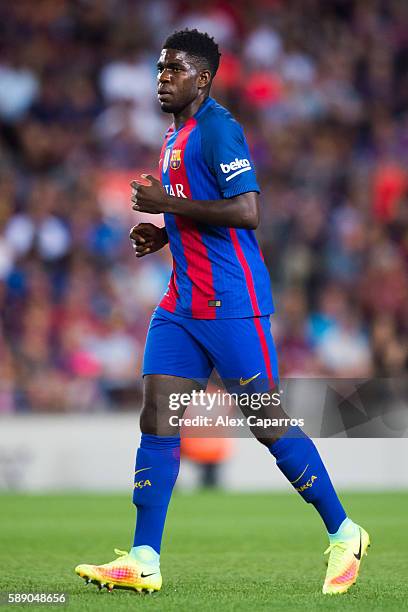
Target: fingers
{"points": [[151, 179], [137, 197], [148, 178], [134, 233], [133, 199], [137, 231], [137, 238], [141, 250], [142, 244], [144, 196], [135, 188]]}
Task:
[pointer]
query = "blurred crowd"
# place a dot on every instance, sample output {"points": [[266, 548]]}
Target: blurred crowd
{"points": [[321, 89]]}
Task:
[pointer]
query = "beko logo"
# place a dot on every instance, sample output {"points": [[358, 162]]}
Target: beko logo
{"points": [[239, 165]]}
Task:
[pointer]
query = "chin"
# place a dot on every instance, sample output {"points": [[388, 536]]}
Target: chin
{"points": [[167, 108], [171, 106]]}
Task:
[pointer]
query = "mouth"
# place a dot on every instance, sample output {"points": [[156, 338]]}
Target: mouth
{"points": [[163, 94]]}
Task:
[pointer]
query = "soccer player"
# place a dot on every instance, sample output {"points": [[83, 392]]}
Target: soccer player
{"points": [[214, 314]]}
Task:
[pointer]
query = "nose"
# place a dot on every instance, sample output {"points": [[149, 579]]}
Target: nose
{"points": [[163, 76]]}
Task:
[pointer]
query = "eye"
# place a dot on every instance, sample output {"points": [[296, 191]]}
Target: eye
{"points": [[176, 69]]}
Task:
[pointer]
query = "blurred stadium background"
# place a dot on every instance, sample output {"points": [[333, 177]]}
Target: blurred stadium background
{"points": [[321, 89]]}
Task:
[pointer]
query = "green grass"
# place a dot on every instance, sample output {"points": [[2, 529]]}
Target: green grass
{"points": [[221, 551]]}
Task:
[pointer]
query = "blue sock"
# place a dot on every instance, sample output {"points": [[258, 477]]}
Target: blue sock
{"points": [[298, 459], [156, 471]]}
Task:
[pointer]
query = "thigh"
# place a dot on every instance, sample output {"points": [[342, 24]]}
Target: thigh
{"points": [[174, 363], [244, 354], [172, 350]]}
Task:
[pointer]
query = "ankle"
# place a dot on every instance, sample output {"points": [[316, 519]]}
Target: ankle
{"points": [[145, 554], [346, 531]]}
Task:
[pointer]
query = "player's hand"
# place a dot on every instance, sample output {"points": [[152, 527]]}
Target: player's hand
{"points": [[147, 238], [151, 198]]}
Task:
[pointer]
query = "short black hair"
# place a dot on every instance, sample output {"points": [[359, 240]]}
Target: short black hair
{"points": [[196, 44]]}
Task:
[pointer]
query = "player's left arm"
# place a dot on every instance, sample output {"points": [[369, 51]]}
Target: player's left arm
{"points": [[226, 153], [241, 211]]}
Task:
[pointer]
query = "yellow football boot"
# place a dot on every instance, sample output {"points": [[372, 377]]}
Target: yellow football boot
{"points": [[139, 571], [344, 562]]}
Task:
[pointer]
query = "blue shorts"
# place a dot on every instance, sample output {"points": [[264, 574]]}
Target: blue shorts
{"points": [[241, 350]]}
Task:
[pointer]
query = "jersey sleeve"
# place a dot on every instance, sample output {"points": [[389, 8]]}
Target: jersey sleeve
{"points": [[226, 153]]}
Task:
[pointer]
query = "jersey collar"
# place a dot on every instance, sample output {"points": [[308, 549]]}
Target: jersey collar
{"points": [[207, 102]]}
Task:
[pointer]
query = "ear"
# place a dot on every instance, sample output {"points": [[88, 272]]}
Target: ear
{"points": [[204, 78]]}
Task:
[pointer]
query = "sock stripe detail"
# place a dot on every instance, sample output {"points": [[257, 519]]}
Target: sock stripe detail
{"points": [[142, 470], [299, 477]]}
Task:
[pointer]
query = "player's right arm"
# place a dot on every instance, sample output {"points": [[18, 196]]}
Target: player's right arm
{"points": [[148, 238]]}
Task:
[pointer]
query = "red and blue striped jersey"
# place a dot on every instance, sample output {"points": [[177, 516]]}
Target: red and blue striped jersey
{"points": [[218, 272]]}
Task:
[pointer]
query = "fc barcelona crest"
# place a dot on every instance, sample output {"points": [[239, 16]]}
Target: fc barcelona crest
{"points": [[175, 161]]}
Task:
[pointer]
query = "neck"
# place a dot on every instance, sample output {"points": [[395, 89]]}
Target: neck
{"points": [[190, 110]]}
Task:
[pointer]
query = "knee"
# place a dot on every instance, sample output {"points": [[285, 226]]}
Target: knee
{"points": [[156, 422], [265, 435], [265, 440], [148, 420]]}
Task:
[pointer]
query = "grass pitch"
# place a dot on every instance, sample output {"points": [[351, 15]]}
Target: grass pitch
{"points": [[221, 551]]}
